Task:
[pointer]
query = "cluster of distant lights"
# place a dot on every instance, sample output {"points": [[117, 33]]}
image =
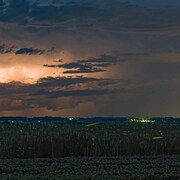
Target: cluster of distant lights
{"points": [[71, 119], [130, 120], [142, 120]]}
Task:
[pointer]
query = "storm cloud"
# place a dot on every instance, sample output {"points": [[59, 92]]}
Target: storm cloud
{"points": [[30, 51], [90, 57], [16, 95], [92, 65]]}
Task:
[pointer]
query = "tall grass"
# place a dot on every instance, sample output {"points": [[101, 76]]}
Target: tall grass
{"points": [[108, 139]]}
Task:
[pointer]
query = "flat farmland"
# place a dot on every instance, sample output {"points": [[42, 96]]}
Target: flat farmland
{"points": [[127, 167], [89, 151], [54, 140]]}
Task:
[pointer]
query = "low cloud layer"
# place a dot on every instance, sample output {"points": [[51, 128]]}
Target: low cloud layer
{"points": [[91, 65], [5, 49], [30, 51], [46, 92]]}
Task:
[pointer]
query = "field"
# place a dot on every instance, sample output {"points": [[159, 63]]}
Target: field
{"points": [[82, 168], [53, 140], [89, 151]]}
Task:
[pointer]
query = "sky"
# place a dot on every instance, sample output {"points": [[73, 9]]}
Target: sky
{"points": [[89, 58]]}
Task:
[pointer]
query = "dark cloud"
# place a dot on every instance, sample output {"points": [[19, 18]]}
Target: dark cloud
{"points": [[4, 49], [102, 59], [84, 70], [113, 15], [12, 88], [77, 67], [91, 65], [15, 88], [15, 11], [157, 3], [63, 81], [30, 51], [82, 92], [16, 95]]}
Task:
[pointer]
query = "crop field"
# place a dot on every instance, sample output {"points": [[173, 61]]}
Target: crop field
{"points": [[55, 140], [102, 168], [89, 151]]}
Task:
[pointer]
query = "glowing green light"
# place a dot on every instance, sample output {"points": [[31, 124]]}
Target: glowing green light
{"points": [[142, 120], [156, 137], [93, 124]]}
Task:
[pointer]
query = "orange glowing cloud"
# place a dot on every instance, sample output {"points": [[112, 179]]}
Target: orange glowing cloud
{"points": [[25, 68]]}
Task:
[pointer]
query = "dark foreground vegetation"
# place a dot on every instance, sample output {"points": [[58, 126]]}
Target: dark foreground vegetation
{"points": [[54, 140], [93, 168]]}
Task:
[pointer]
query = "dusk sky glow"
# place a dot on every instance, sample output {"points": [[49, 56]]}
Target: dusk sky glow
{"points": [[88, 58]]}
